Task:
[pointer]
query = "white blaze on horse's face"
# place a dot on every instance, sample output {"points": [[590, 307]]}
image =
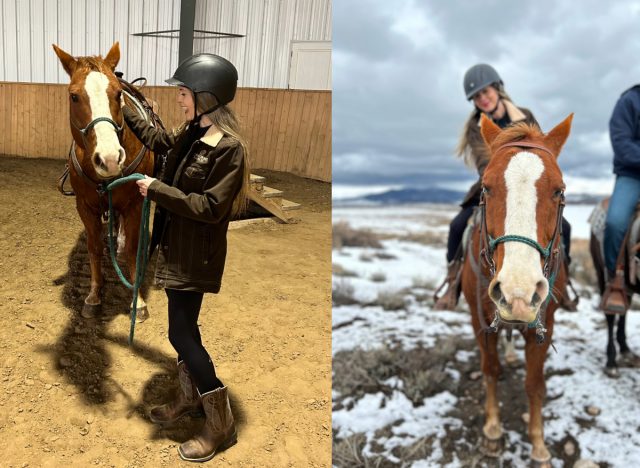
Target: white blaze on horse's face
{"points": [[521, 274], [109, 155]]}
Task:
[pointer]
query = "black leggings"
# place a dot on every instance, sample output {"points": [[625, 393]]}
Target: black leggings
{"points": [[459, 223], [184, 335]]}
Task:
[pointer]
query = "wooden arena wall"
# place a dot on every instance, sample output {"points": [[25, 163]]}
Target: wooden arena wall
{"points": [[287, 130]]}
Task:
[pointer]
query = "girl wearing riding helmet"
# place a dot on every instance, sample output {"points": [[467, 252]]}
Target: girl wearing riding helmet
{"points": [[202, 186], [484, 87]]}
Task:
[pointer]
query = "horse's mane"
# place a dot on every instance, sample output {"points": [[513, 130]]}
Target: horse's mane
{"points": [[518, 132], [93, 63]]}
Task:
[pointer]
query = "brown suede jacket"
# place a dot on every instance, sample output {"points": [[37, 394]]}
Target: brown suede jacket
{"points": [[480, 153], [194, 205]]}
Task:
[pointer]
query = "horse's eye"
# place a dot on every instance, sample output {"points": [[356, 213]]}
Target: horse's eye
{"points": [[558, 193], [74, 97], [486, 191]]}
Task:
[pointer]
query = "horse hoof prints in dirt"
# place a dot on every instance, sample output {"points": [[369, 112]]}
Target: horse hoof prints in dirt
{"points": [[104, 149]]}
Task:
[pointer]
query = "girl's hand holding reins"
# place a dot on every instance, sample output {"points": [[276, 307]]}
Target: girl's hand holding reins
{"points": [[143, 184]]}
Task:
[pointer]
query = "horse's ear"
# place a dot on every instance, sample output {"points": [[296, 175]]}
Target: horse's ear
{"points": [[113, 56], [555, 139], [68, 62], [488, 129]]}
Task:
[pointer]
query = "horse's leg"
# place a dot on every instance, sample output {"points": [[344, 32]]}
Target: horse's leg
{"points": [[627, 357], [535, 388], [93, 229], [490, 364], [611, 369], [131, 225]]}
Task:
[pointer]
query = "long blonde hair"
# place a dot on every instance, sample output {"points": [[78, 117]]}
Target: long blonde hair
{"points": [[225, 119], [463, 148]]}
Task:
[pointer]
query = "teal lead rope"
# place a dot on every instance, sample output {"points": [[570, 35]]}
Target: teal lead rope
{"points": [[142, 256]]}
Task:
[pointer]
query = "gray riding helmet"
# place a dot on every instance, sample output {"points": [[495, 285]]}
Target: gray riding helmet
{"points": [[207, 73], [478, 77]]}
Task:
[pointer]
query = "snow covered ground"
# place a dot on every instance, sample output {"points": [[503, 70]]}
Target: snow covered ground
{"points": [[410, 419]]}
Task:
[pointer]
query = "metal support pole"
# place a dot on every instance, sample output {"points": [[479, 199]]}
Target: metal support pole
{"points": [[187, 23]]}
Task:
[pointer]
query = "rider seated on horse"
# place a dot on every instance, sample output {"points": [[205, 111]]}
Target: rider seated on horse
{"points": [[624, 131], [484, 87]]}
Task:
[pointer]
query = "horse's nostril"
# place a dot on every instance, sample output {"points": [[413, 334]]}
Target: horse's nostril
{"points": [[496, 292], [96, 159], [535, 300], [121, 156]]}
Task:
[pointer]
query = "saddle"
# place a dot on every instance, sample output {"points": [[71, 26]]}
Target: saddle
{"points": [[147, 108], [629, 257]]}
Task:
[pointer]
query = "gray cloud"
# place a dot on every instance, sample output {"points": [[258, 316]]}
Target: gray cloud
{"points": [[399, 108]]}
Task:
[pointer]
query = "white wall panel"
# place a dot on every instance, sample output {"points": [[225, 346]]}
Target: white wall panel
{"points": [[36, 32], [90, 27], [65, 35], [24, 40], [120, 34], [51, 63], [263, 55]]}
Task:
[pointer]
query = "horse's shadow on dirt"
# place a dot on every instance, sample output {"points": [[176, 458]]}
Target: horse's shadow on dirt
{"points": [[80, 354]]}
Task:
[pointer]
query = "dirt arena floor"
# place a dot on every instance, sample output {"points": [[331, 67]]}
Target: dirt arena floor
{"points": [[74, 393]]}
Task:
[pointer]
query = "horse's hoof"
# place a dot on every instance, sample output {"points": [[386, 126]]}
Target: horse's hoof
{"points": [[541, 463], [492, 447], [612, 372], [142, 314], [629, 359], [90, 310]]}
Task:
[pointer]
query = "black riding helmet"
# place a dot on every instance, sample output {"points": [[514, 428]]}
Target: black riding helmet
{"points": [[478, 77], [207, 73]]}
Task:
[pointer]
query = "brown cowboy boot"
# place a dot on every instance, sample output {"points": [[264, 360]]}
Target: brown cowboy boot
{"points": [[187, 400], [614, 299], [218, 433], [449, 299]]}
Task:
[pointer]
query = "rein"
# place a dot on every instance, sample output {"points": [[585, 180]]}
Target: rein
{"points": [[142, 254], [551, 254]]}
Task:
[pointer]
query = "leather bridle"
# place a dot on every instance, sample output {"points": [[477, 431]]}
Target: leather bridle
{"points": [[551, 253]]}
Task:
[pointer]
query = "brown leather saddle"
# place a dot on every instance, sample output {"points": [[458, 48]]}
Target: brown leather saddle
{"points": [[629, 257]]}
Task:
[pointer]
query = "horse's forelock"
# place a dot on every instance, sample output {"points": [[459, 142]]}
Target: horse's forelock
{"points": [[517, 132], [93, 63]]}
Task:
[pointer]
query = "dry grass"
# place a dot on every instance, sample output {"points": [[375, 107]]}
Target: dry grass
{"points": [[379, 277], [343, 293], [390, 300], [345, 236], [423, 283], [438, 239], [357, 372], [339, 270], [347, 452], [581, 269]]}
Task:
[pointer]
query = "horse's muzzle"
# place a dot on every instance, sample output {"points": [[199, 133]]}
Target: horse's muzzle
{"points": [[516, 308], [109, 166]]}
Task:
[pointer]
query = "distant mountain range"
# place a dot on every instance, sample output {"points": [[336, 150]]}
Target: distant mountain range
{"points": [[436, 195]]}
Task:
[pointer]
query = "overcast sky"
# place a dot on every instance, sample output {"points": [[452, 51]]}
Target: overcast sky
{"points": [[398, 101]]}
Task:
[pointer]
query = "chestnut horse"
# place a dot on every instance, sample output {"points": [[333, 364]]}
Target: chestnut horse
{"points": [[514, 262], [104, 149]]}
